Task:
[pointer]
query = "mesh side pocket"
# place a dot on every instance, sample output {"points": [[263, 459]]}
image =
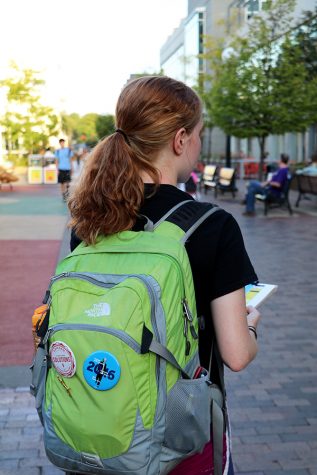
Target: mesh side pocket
{"points": [[188, 416], [39, 371]]}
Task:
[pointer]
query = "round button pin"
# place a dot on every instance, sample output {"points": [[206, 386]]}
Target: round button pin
{"points": [[101, 370], [63, 359]]}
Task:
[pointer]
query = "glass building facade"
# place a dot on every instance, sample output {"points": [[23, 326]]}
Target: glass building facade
{"points": [[180, 59], [183, 63]]}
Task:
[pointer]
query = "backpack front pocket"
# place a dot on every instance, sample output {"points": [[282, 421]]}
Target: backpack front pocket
{"points": [[95, 408]]}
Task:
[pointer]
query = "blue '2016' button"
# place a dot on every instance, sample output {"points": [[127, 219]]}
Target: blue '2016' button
{"points": [[101, 370]]}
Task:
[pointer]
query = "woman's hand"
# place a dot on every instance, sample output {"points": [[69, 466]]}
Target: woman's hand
{"points": [[231, 319], [253, 316]]}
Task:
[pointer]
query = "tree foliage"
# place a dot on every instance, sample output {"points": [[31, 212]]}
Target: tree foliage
{"points": [[305, 37], [80, 129], [27, 123], [88, 128], [105, 125], [263, 86]]}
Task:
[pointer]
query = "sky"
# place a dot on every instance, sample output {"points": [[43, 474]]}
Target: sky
{"points": [[86, 49]]}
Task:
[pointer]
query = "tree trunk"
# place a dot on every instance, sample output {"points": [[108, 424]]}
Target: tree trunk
{"points": [[262, 141], [303, 146], [209, 144], [228, 151]]}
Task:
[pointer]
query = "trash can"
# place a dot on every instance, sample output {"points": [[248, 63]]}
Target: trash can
{"points": [[49, 170], [35, 169]]}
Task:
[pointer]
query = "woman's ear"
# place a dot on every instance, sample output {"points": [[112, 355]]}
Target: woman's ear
{"points": [[179, 141]]}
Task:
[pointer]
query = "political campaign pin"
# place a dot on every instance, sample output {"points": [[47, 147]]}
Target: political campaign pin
{"points": [[101, 370], [63, 359]]}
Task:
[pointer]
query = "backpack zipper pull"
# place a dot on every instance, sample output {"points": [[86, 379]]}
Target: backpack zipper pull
{"points": [[193, 331], [65, 386], [188, 316], [186, 320]]}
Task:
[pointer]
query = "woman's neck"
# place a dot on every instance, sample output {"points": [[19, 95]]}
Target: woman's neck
{"points": [[165, 162], [166, 178]]}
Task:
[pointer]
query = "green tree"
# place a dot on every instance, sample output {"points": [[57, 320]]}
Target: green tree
{"points": [[70, 126], [305, 36], [87, 129], [262, 87], [105, 125], [27, 123], [147, 73], [80, 129]]}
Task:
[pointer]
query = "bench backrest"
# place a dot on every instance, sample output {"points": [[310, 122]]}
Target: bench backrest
{"points": [[209, 172], [226, 176], [307, 184]]}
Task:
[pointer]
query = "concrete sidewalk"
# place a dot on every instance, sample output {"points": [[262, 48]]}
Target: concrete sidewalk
{"points": [[273, 403]]}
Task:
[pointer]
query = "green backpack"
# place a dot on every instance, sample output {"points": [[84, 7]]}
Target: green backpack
{"points": [[117, 378]]}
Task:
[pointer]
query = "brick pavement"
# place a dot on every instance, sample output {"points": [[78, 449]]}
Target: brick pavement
{"points": [[273, 402], [33, 220]]}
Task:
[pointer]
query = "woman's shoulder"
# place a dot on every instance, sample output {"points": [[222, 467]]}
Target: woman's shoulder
{"points": [[215, 235], [219, 219]]}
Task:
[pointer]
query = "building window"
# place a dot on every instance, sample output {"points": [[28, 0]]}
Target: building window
{"points": [[254, 6], [201, 32]]}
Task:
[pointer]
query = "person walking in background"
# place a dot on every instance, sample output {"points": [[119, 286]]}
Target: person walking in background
{"points": [[274, 186], [64, 165], [48, 153], [134, 173]]}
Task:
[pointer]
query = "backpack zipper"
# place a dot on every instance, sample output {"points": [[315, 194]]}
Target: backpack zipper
{"points": [[121, 335], [121, 277], [188, 317], [153, 294]]}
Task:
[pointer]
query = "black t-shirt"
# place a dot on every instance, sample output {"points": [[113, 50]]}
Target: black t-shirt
{"points": [[219, 261]]}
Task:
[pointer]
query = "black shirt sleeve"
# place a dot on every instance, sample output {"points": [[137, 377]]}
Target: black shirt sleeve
{"points": [[219, 261], [220, 265], [233, 268]]}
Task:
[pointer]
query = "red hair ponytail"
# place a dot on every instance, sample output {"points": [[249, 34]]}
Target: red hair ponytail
{"points": [[110, 191]]}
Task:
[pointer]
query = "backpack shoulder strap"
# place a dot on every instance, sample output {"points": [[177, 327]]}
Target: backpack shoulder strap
{"points": [[188, 216]]}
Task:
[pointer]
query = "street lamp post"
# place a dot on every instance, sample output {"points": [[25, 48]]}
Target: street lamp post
{"points": [[226, 54], [228, 151]]}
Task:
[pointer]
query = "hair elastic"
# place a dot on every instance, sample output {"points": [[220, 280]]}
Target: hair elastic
{"points": [[124, 135], [253, 330]]}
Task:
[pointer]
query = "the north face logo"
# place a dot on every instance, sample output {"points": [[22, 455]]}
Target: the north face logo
{"points": [[101, 309]]}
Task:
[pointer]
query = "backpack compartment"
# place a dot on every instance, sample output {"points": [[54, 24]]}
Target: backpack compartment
{"points": [[161, 261], [166, 260], [84, 316]]}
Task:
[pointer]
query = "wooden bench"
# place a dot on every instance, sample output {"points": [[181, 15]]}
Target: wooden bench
{"points": [[209, 177], [226, 181], [306, 184], [277, 201]]}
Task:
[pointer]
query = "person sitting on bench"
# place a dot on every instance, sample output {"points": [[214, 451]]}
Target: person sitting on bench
{"points": [[274, 186], [311, 169]]}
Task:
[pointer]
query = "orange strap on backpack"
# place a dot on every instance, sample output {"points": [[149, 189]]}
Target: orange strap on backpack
{"points": [[37, 320]]}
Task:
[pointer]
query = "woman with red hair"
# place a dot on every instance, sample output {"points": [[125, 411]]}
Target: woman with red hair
{"points": [[134, 173]]}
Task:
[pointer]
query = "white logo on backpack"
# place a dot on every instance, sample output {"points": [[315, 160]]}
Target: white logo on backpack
{"points": [[101, 309]]}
